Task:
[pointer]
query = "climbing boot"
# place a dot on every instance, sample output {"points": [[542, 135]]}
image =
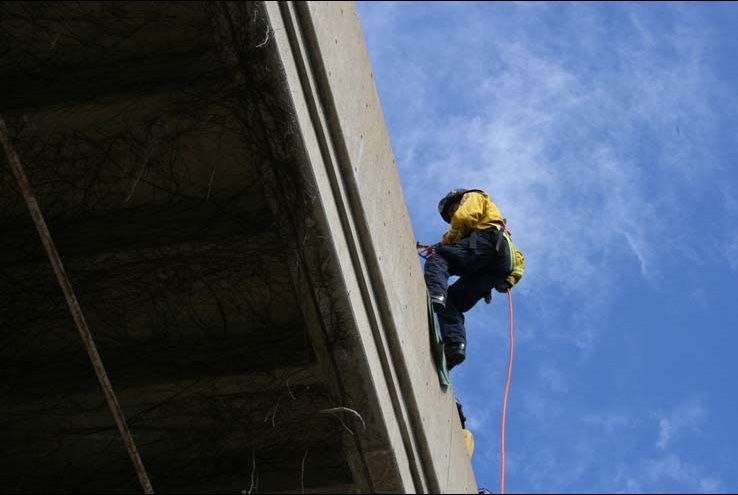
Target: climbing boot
{"points": [[439, 302], [455, 353]]}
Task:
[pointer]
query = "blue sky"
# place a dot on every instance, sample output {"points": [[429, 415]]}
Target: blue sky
{"points": [[607, 134]]}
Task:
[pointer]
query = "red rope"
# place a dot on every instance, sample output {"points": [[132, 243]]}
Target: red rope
{"points": [[507, 390]]}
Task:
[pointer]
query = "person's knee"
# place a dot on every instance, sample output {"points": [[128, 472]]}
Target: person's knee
{"points": [[465, 298], [434, 264]]}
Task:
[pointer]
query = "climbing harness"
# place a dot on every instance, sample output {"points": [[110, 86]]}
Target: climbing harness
{"points": [[425, 251]]}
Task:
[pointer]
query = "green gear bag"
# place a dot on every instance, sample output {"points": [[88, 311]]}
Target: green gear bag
{"points": [[437, 346]]}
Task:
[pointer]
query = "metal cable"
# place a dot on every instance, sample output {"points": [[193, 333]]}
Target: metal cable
{"points": [[66, 286]]}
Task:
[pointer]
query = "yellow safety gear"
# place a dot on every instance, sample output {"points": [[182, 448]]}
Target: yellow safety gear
{"points": [[477, 212], [469, 442]]}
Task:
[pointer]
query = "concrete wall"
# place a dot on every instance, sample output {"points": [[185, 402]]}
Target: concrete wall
{"points": [[219, 182], [351, 163]]}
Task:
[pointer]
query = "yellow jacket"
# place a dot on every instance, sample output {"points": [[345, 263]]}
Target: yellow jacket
{"points": [[477, 212]]}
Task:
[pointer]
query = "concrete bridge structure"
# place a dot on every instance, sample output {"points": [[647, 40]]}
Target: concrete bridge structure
{"points": [[219, 183]]}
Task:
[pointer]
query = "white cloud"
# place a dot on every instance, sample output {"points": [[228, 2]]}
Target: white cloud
{"points": [[710, 485], [688, 417], [674, 468], [583, 158], [595, 147], [664, 474], [665, 430], [553, 378], [700, 296], [732, 251], [612, 424]]}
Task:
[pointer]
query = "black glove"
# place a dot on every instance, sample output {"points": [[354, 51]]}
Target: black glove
{"points": [[503, 286]]}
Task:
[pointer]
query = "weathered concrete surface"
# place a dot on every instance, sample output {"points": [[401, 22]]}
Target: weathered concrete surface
{"points": [[221, 188], [352, 157]]}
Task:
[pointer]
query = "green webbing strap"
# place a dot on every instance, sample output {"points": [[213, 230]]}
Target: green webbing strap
{"points": [[437, 346]]}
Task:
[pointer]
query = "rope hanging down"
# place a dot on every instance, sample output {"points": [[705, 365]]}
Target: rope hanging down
{"points": [[504, 401], [79, 319]]}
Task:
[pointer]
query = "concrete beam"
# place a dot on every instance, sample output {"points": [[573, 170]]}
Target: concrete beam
{"points": [[57, 53], [143, 228], [350, 163], [157, 196]]}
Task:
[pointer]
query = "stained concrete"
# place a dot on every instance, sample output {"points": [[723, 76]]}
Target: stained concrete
{"points": [[221, 188]]}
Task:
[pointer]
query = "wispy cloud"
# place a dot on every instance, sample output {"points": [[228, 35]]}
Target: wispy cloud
{"points": [[665, 430], [554, 378], [672, 467], [668, 467], [732, 251], [688, 416], [611, 423], [592, 163], [665, 474], [593, 127]]}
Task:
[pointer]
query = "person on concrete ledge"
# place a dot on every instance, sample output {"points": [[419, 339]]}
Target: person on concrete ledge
{"points": [[477, 247]]}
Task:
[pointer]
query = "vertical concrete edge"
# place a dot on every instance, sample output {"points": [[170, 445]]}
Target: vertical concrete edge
{"points": [[426, 432]]}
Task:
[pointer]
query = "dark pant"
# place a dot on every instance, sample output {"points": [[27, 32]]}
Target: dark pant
{"points": [[480, 263]]}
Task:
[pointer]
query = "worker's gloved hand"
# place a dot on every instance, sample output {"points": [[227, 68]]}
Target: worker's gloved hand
{"points": [[503, 287], [434, 249]]}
